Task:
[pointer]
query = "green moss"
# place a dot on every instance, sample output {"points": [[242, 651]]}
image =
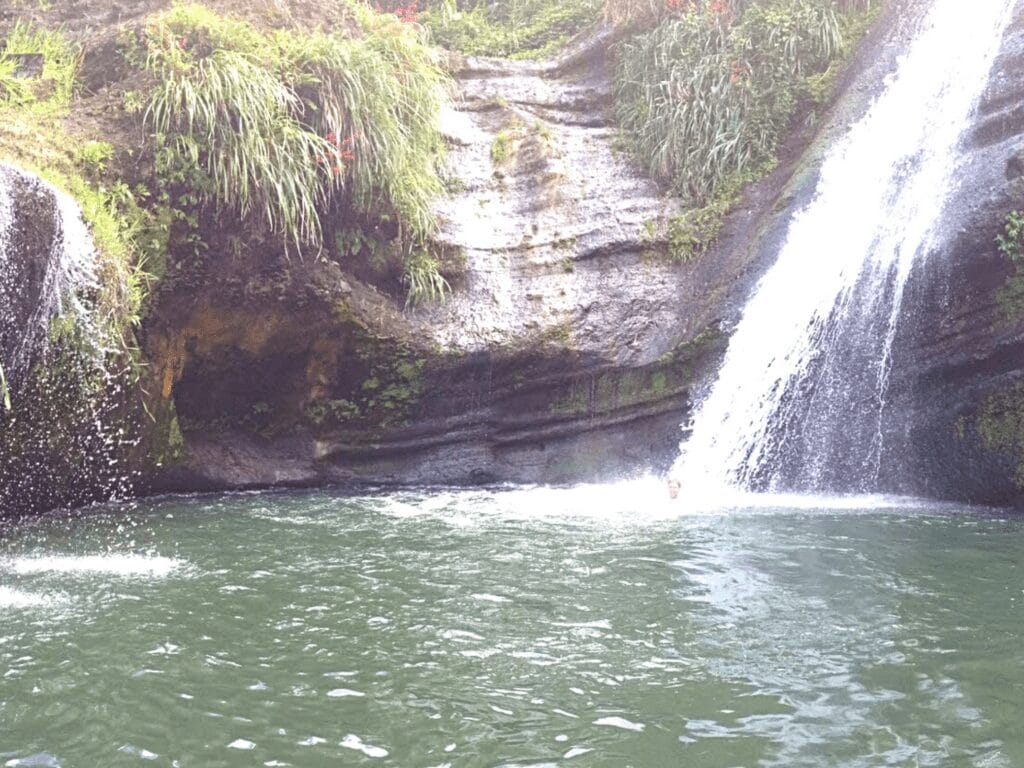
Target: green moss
{"points": [[503, 147], [1000, 424], [670, 376], [575, 402]]}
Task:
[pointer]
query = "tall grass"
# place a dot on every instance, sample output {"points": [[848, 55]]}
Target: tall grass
{"points": [[521, 29], [219, 107], [280, 123], [13, 89], [627, 13], [380, 97], [55, 86], [706, 95]]}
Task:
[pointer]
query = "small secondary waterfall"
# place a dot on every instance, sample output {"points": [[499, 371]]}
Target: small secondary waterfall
{"points": [[66, 439], [34, 291], [799, 403]]}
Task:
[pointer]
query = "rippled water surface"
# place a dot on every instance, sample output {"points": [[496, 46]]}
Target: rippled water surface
{"points": [[593, 627]]}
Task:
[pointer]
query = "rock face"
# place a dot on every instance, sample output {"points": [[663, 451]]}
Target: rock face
{"points": [[55, 447], [572, 345], [962, 343], [567, 350]]}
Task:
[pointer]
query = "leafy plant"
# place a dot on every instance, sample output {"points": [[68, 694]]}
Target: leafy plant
{"points": [[94, 156], [424, 279], [1011, 242], [281, 124]]}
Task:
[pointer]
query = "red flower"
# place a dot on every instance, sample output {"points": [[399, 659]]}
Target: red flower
{"points": [[408, 13], [721, 10], [340, 152]]}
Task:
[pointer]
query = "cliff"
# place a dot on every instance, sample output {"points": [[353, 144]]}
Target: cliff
{"points": [[573, 342]]}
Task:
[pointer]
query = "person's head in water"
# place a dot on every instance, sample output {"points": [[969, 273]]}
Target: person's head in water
{"points": [[673, 488]]}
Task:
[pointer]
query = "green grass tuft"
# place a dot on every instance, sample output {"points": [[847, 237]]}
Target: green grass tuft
{"points": [[280, 125], [705, 96], [518, 29], [53, 89], [424, 280]]}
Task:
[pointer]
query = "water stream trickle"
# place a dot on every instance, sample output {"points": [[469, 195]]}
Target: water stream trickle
{"points": [[32, 295], [800, 399], [67, 433]]}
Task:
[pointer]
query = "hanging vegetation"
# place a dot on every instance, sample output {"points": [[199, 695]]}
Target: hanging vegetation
{"points": [[272, 125], [707, 89]]}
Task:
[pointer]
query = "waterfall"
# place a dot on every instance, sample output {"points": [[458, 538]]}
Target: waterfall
{"points": [[800, 399], [66, 439], [49, 282]]}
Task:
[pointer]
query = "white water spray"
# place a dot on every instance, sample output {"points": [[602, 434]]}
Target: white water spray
{"points": [[65, 440], [69, 270], [809, 361]]}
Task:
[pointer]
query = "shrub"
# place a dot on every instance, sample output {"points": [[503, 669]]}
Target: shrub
{"points": [[1011, 242], [516, 28], [706, 95], [54, 87], [280, 123]]}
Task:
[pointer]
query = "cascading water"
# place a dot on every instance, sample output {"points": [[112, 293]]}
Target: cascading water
{"points": [[33, 294], [799, 403], [65, 438]]}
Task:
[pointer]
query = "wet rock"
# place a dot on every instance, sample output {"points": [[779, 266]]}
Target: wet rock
{"points": [[960, 345], [572, 348]]}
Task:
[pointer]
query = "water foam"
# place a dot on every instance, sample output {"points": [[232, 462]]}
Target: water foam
{"points": [[13, 598], [111, 565]]}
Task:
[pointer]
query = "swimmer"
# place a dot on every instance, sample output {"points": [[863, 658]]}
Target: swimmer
{"points": [[673, 488]]}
